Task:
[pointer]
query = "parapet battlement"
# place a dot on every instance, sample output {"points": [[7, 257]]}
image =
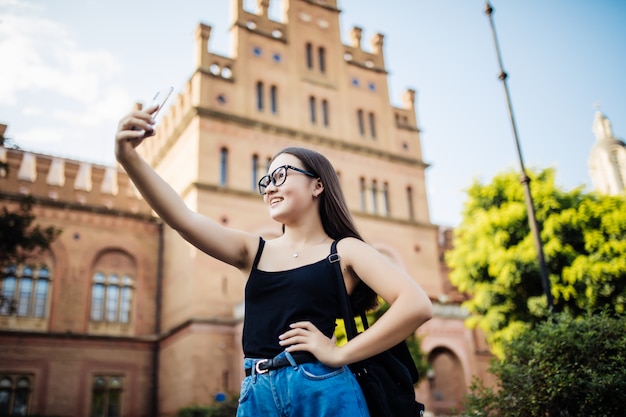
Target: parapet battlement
{"points": [[65, 181]]}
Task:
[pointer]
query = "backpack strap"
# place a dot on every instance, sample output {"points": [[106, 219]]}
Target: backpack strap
{"points": [[258, 253], [344, 299]]}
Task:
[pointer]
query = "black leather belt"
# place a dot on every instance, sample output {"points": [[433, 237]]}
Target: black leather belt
{"points": [[265, 365]]}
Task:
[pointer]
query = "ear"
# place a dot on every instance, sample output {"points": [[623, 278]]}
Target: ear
{"points": [[319, 188]]}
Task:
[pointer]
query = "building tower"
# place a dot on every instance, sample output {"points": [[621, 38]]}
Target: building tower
{"points": [[288, 83], [607, 160], [122, 314]]}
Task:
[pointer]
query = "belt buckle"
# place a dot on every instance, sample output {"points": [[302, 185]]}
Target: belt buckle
{"points": [[258, 369]]}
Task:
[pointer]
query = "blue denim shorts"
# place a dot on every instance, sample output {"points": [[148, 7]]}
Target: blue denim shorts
{"points": [[306, 390]]}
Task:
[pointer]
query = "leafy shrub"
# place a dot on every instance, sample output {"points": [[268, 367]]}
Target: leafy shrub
{"points": [[569, 367]]}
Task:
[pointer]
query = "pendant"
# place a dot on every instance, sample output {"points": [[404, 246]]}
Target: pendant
{"points": [[295, 254]]}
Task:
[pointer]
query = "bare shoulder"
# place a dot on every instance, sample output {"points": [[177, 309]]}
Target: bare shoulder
{"points": [[353, 250]]}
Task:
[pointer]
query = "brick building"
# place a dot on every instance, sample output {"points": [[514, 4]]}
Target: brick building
{"points": [[123, 317]]}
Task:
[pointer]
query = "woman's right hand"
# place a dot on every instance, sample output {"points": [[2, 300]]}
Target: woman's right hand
{"points": [[132, 129]]}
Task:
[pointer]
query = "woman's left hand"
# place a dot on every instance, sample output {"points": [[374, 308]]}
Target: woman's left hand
{"points": [[304, 336]]}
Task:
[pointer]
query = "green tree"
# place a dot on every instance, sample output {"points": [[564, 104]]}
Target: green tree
{"points": [[570, 367], [20, 239], [495, 261]]}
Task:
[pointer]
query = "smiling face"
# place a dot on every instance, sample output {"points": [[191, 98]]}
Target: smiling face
{"points": [[295, 196]]}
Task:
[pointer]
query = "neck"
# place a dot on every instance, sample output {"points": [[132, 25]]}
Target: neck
{"points": [[297, 241]]}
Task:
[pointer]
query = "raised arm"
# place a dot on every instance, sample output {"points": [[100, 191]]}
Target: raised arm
{"points": [[228, 245]]}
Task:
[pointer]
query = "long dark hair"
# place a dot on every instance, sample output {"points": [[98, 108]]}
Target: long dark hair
{"points": [[336, 218]]}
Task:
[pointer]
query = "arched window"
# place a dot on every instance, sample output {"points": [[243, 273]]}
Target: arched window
{"points": [[372, 125], [359, 118], [255, 171], [273, 99], [223, 167], [325, 113], [386, 199], [259, 96], [374, 197], [309, 55], [111, 298], [362, 196], [6, 390], [409, 197], [312, 109], [25, 291], [445, 379], [106, 396], [15, 393], [321, 56], [112, 289]]}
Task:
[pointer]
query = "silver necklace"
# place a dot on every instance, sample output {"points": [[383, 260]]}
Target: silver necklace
{"points": [[297, 253]]}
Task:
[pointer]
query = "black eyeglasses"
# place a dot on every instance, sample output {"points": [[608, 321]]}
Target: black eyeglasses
{"points": [[279, 176]]}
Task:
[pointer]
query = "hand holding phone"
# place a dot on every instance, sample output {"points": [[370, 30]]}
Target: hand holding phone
{"points": [[160, 98]]}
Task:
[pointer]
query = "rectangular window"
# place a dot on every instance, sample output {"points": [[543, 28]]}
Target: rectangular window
{"points": [[255, 172], [359, 117], [273, 98], [362, 195], [223, 167], [322, 59], [125, 303], [372, 125], [15, 391], [312, 109], [97, 302], [309, 55], [386, 199], [259, 96], [41, 293], [23, 301], [24, 291], [106, 396], [8, 292], [325, 113], [112, 299], [374, 197], [409, 197]]}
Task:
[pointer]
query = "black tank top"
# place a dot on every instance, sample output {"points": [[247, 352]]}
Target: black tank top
{"points": [[274, 300]]}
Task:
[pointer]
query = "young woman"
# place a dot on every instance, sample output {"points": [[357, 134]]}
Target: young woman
{"points": [[292, 363]]}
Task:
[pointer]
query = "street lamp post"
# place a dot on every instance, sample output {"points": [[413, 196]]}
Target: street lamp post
{"points": [[524, 179]]}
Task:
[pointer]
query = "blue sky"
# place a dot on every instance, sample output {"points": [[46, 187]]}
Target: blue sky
{"points": [[71, 68]]}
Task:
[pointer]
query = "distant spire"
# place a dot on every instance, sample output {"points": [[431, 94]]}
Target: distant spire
{"points": [[602, 126]]}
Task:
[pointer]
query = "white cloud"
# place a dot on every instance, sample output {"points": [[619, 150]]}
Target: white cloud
{"points": [[32, 111], [43, 135], [105, 110], [45, 58], [61, 97]]}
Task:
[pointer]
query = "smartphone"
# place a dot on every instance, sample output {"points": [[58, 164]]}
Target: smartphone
{"points": [[160, 98]]}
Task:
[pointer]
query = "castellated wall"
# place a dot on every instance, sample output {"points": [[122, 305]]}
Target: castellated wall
{"points": [[67, 182]]}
